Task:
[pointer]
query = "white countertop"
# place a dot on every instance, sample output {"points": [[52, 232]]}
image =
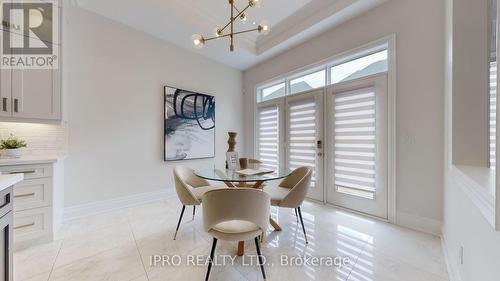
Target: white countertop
{"points": [[31, 159], [10, 180]]}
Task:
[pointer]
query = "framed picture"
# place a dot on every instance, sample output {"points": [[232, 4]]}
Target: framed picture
{"points": [[189, 125], [232, 160]]}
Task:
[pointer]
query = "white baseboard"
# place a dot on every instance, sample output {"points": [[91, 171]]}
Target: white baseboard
{"points": [[453, 272], [419, 223], [115, 204]]}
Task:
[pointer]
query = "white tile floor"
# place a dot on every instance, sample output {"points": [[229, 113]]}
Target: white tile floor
{"points": [[118, 246]]}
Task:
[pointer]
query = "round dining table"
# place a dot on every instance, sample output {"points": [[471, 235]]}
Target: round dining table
{"points": [[233, 179]]}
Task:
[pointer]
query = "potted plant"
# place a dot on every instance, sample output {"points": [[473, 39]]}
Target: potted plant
{"points": [[12, 146]]}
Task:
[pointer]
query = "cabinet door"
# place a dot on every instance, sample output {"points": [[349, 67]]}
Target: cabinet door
{"points": [[5, 92], [36, 93]]}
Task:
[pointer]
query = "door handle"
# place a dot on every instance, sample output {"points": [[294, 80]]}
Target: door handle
{"points": [[320, 154]]}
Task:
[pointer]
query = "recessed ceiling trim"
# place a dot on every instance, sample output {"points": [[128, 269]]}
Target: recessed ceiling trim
{"points": [[313, 17]]}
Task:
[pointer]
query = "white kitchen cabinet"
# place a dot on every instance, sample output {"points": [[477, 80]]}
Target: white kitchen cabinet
{"points": [[32, 94], [37, 200], [36, 94]]}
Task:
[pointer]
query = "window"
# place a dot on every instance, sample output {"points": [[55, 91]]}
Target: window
{"points": [[302, 134], [361, 67], [272, 92], [363, 63], [355, 143], [268, 136], [493, 84], [308, 82]]}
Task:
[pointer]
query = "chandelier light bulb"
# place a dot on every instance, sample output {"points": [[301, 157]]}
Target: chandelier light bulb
{"points": [[243, 17], [217, 32], [254, 3], [198, 41], [264, 27]]}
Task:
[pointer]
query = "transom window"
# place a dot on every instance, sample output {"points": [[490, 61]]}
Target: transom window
{"points": [[367, 63]]}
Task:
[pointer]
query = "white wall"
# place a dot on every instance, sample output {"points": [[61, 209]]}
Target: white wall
{"points": [[470, 83], [419, 27], [464, 225], [113, 84]]}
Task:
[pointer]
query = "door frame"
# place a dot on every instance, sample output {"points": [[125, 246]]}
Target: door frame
{"points": [[391, 141], [379, 206]]}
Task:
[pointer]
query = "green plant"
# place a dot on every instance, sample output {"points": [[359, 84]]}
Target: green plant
{"points": [[12, 143]]}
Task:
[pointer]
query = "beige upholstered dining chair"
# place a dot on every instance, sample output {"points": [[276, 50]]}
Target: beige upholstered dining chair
{"points": [[190, 189], [237, 214], [292, 191]]}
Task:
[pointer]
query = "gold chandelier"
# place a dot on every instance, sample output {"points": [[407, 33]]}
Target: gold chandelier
{"points": [[199, 41]]}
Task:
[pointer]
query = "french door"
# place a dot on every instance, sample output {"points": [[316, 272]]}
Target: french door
{"points": [[304, 137], [357, 145]]}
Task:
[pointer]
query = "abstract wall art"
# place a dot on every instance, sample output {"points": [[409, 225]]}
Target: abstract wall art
{"points": [[189, 128]]}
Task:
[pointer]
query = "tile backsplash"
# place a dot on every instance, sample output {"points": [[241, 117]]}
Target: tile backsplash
{"points": [[41, 138]]}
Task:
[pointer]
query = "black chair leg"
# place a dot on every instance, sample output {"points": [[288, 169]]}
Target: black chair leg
{"points": [[296, 215], [259, 255], [194, 211], [214, 244], [180, 219], [302, 222]]}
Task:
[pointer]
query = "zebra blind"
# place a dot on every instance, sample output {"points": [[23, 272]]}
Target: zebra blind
{"points": [[302, 129], [493, 112], [268, 136], [355, 143]]}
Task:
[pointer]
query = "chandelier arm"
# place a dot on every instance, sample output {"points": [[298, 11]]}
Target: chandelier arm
{"points": [[228, 34], [233, 18], [231, 46], [216, 37], [245, 31]]}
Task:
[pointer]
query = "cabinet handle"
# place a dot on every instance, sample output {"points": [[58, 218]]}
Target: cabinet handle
{"points": [[16, 105], [22, 172], [5, 101], [24, 225], [24, 195]]}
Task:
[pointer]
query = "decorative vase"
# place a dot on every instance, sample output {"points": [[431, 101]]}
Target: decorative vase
{"points": [[231, 141], [12, 153]]}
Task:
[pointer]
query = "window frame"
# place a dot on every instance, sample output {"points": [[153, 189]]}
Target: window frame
{"points": [[388, 43], [258, 99]]}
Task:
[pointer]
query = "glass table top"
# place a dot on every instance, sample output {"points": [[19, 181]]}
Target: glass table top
{"points": [[215, 174]]}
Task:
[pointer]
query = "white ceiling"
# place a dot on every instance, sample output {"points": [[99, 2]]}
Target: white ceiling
{"points": [[291, 21]]}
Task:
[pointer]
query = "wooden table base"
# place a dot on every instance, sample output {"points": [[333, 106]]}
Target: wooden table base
{"points": [[275, 225], [241, 248]]}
